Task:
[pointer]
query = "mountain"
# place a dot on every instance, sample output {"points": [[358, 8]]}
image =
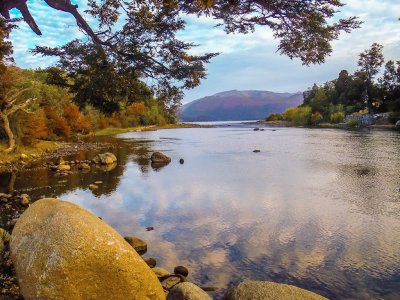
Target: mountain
{"points": [[239, 105]]}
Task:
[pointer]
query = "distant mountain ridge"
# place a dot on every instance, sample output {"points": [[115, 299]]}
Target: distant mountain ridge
{"points": [[239, 106]]}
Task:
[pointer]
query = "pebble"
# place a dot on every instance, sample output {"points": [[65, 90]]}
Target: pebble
{"points": [[257, 151], [181, 161], [93, 187], [256, 129]]}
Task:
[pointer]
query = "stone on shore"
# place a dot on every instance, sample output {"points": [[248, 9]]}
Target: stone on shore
{"points": [[105, 158], [84, 166], [61, 250], [139, 245], [64, 168], [160, 158], [93, 187], [187, 291], [265, 290]]}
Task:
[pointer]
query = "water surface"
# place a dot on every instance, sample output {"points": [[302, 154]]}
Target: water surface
{"points": [[316, 208]]}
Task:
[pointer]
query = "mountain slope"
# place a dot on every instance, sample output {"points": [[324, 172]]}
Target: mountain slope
{"points": [[238, 105]]}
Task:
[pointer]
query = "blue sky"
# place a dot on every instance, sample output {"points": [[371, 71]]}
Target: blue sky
{"points": [[247, 61]]}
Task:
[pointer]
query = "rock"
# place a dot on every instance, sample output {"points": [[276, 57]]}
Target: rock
{"points": [[264, 290], [160, 158], [150, 228], [60, 250], [256, 151], [105, 159], [61, 161], [139, 245], [397, 125], [181, 161], [187, 291], [63, 168], [25, 200], [151, 262], [93, 187], [84, 166], [23, 156], [160, 272], [181, 270], [170, 282], [98, 182], [6, 196], [256, 129]]}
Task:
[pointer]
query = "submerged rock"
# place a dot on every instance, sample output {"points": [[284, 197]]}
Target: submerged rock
{"points": [[105, 158], [151, 262], [60, 250], [160, 158], [265, 290], [139, 245], [160, 272], [188, 291]]}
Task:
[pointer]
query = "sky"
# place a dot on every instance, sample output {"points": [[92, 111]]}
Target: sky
{"points": [[246, 62]]}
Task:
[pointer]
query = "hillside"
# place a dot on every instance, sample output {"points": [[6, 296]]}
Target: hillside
{"points": [[238, 105]]}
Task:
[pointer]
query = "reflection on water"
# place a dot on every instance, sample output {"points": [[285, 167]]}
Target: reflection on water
{"points": [[316, 208]]}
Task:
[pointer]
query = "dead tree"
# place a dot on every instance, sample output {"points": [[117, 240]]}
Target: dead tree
{"points": [[8, 108]]}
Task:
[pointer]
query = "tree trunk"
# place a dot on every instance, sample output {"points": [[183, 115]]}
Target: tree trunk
{"points": [[10, 135]]}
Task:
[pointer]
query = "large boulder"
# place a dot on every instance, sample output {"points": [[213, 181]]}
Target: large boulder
{"points": [[62, 251], [265, 290], [187, 291], [105, 159]]}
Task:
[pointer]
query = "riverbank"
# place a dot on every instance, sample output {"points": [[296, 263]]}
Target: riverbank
{"points": [[24, 156], [321, 125]]}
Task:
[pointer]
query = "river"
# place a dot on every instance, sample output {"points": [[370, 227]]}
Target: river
{"points": [[317, 208]]}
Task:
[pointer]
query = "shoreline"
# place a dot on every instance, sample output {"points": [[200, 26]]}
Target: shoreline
{"points": [[43, 150]]}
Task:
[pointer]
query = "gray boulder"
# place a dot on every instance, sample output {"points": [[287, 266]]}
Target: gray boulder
{"points": [[187, 291], [265, 290]]}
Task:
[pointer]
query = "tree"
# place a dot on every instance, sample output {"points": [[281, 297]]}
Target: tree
{"points": [[303, 27], [370, 62], [390, 85]]}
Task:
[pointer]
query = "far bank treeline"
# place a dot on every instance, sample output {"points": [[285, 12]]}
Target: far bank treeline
{"points": [[361, 93]]}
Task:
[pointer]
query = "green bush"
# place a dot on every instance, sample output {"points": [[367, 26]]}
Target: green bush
{"points": [[274, 117], [352, 123], [299, 116], [337, 117]]}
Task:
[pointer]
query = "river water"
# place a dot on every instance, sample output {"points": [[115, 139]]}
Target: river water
{"points": [[317, 208]]}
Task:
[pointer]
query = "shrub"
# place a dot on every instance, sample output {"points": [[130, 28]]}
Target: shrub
{"points": [[337, 117], [316, 118], [352, 123], [57, 125], [274, 117], [35, 125], [299, 116]]}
